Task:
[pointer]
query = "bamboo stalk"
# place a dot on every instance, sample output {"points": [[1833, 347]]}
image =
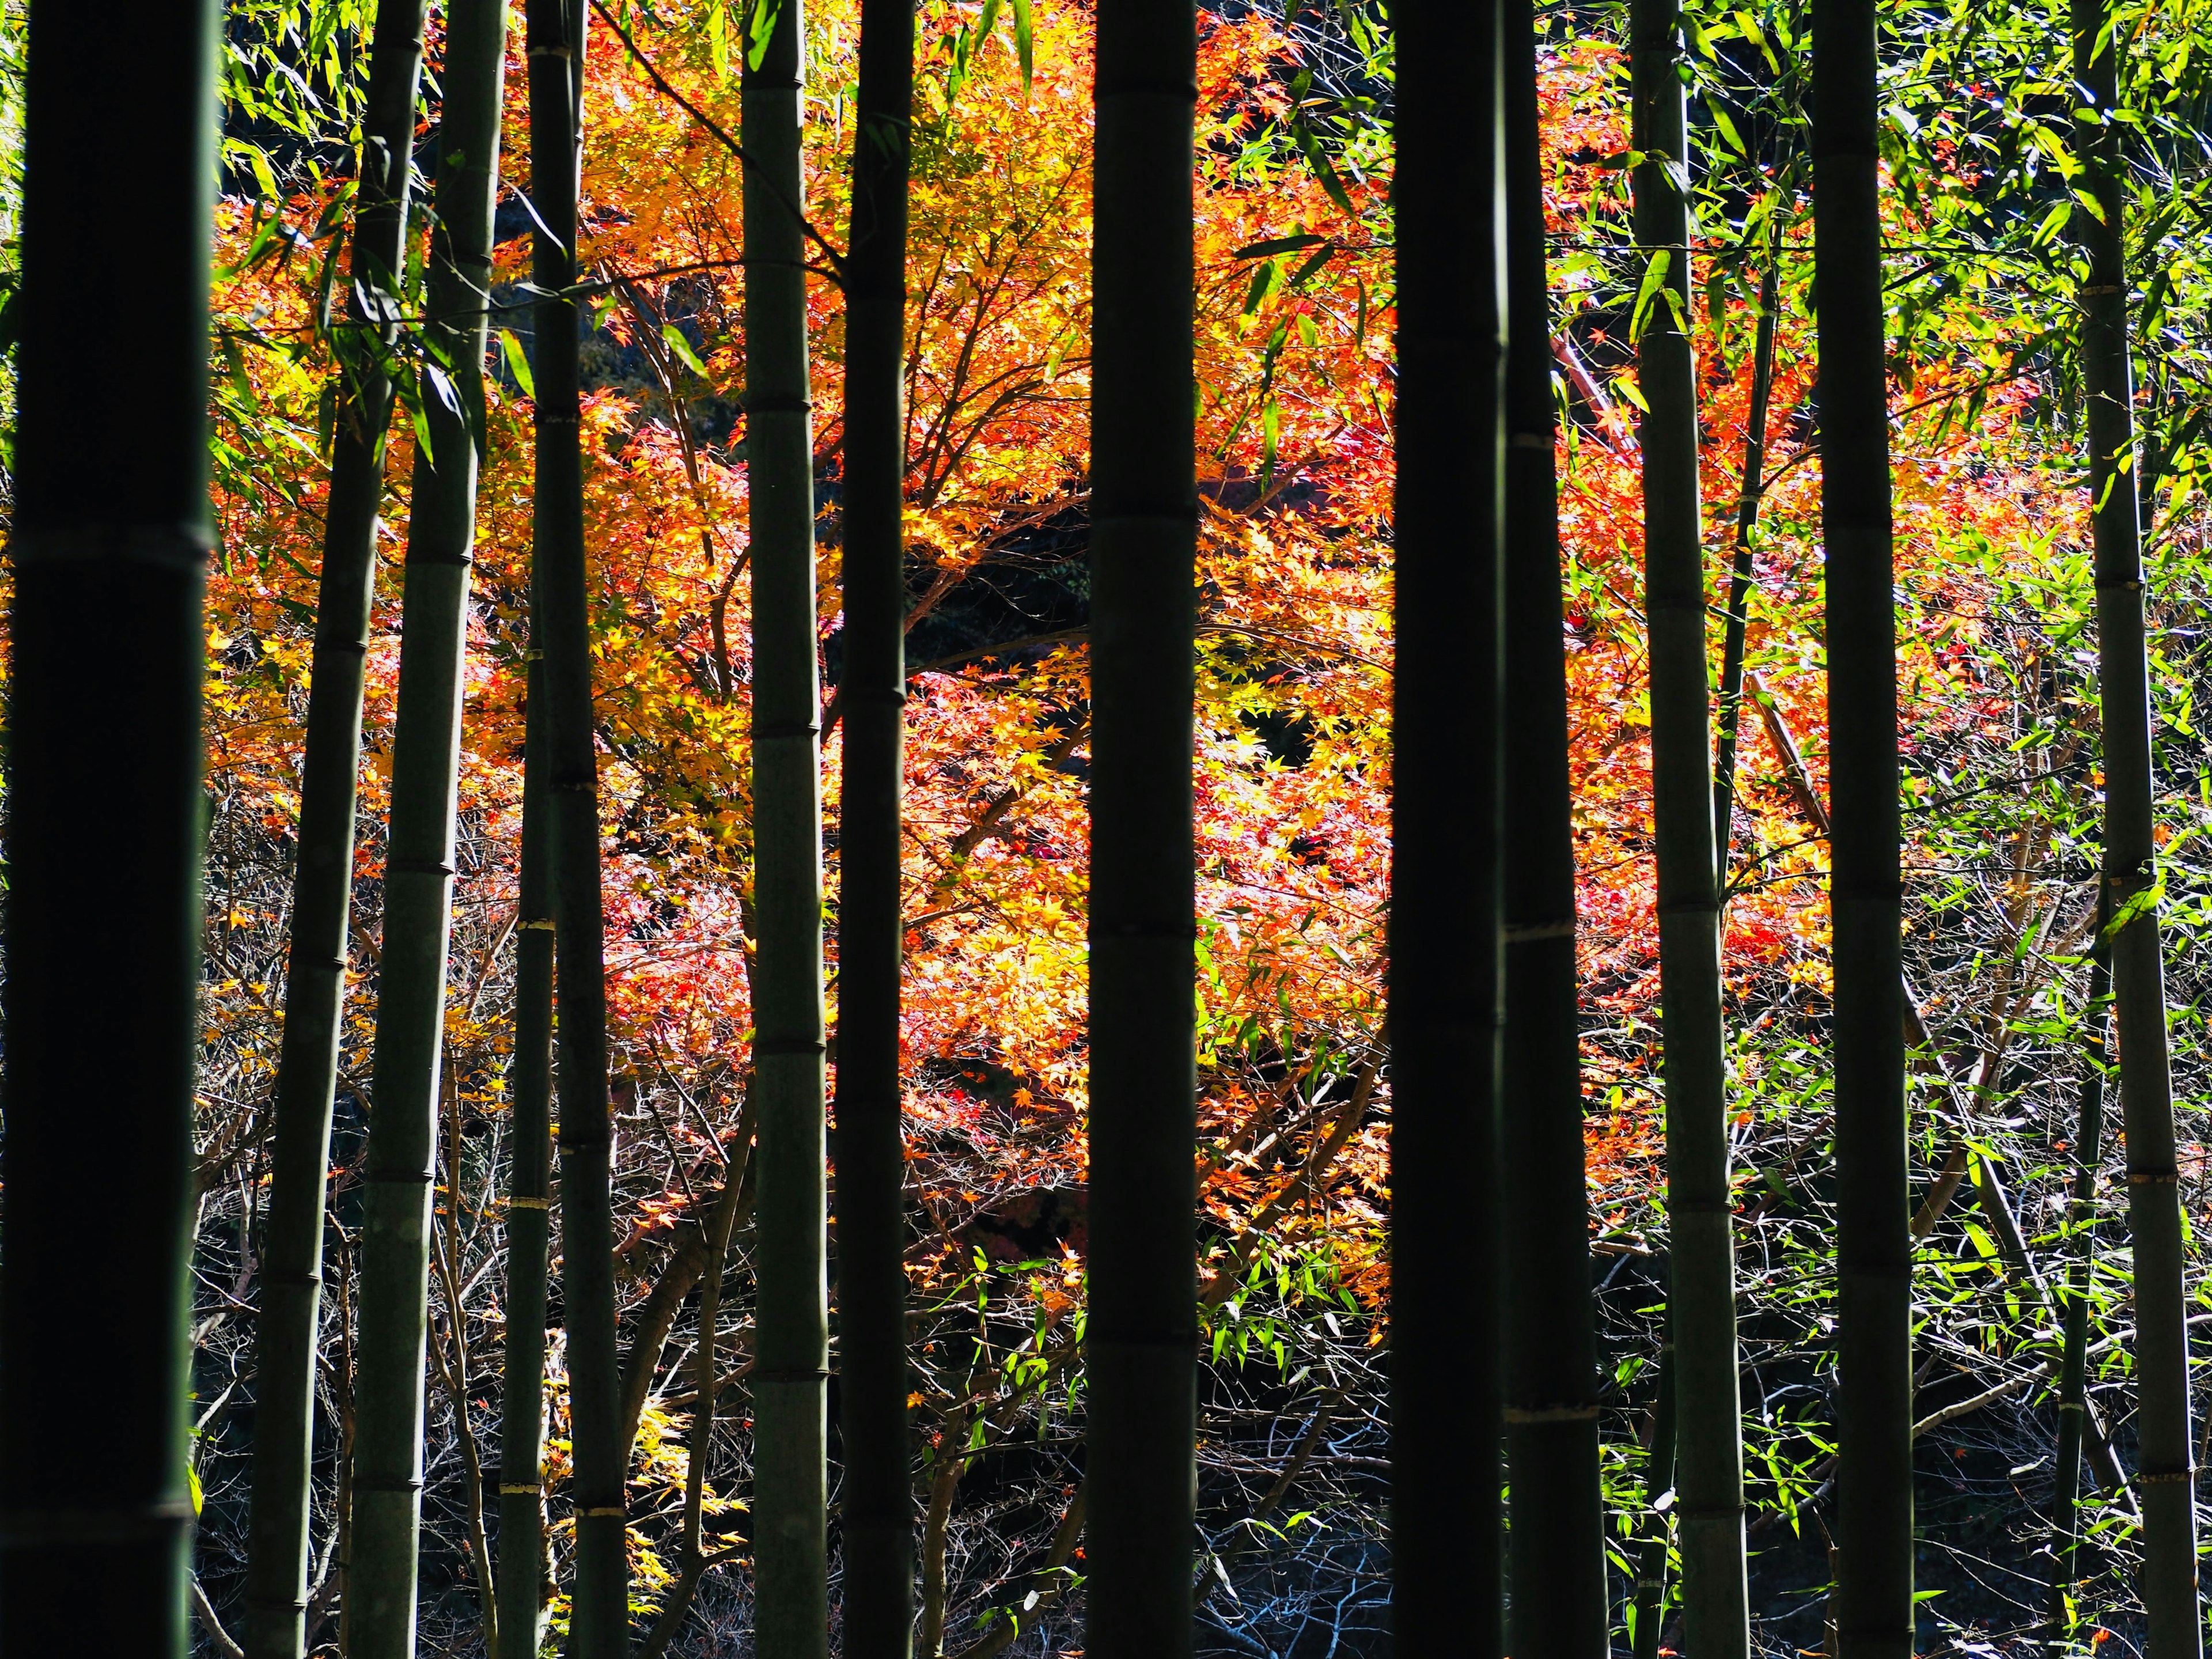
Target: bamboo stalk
{"points": [[2167, 1477], [790, 1375], [1556, 1549], [1650, 1589], [1708, 1456], [876, 1509], [386, 1479], [1142, 1329], [1729, 705], [105, 828], [1873, 1486], [561, 625], [397, 1244], [522, 1397], [1446, 951], [2073, 1302]]}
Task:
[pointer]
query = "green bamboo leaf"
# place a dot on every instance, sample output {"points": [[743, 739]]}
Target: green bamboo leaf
{"points": [[1654, 278], [1024, 45], [673, 337], [518, 362]]}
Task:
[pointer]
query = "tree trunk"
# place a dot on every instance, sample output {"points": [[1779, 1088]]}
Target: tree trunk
{"points": [[529, 1201], [1446, 959], [2168, 1585], [2074, 1303], [1701, 1295], [410, 1009], [790, 1395], [1556, 1558], [105, 828], [1142, 1329], [1874, 1479], [1730, 704], [876, 1512], [561, 625], [382, 1571]]}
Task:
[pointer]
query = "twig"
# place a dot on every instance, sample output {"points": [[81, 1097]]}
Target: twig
{"points": [[753, 175]]}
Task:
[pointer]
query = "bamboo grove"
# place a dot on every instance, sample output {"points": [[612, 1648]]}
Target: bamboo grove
{"points": [[963, 827]]}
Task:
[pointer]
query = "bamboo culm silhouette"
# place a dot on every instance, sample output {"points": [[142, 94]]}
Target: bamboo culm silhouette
{"points": [[381, 1583], [876, 1514], [560, 627], [2129, 893], [103, 918], [1874, 1607], [1729, 706], [529, 1202], [1446, 953], [1651, 1568], [1647, 1595], [1140, 1496], [790, 1373], [2074, 1304], [1701, 1295], [410, 1009], [1556, 1546]]}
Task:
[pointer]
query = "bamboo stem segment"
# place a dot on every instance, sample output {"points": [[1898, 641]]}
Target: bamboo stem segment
{"points": [[1446, 957], [877, 1510], [530, 1185], [2130, 895], [410, 1011], [103, 918], [1873, 1602], [1556, 1553], [560, 623], [1701, 1295], [1143, 1331], [790, 1378]]}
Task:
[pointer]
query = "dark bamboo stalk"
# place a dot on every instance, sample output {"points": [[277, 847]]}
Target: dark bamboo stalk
{"points": [[1143, 1330], [877, 1510], [381, 1573], [790, 1393], [1556, 1549], [560, 626], [2167, 1477], [1873, 1478], [1729, 707], [1701, 1298], [105, 828], [410, 1009], [1446, 959], [529, 1202], [1649, 1590], [2074, 1302]]}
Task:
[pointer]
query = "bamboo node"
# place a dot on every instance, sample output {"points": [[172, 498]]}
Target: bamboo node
{"points": [[2167, 1179], [1519, 932], [1564, 1413], [2164, 1478], [603, 1510], [2103, 288], [542, 924], [529, 1204], [517, 1491]]}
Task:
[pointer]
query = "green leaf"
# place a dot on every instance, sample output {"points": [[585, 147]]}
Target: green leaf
{"points": [[673, 337], [1024, 45], [518, 362], [1277, 245], [1655, 280]]}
